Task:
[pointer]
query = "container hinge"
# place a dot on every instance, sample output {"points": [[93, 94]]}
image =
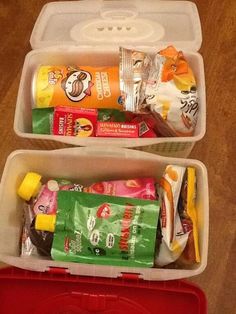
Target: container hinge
{"points": [[58, 270]]}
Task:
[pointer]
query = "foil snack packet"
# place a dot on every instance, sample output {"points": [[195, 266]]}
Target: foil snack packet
{"points": [[171, 94], [134, 72]]}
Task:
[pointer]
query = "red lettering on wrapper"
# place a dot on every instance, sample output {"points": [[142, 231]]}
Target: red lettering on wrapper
{"points": [[125, 228]]}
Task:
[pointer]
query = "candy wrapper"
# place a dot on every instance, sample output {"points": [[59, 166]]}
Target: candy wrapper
{"points": [[171, 94], [134, 72], [177, 211]]}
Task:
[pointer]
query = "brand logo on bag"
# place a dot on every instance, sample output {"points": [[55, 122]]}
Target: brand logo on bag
{"points": [[77, 85], [54, 77], [104, 211]]}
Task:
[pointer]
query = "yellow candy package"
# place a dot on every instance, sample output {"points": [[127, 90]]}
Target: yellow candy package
{"points": [[171, 93]]}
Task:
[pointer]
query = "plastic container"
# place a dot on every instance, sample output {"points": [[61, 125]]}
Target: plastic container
{"points": [[88, 165], [53, 294], [90, 33]]}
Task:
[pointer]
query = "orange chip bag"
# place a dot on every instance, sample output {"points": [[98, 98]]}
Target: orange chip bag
{"points": [[83, 87]]}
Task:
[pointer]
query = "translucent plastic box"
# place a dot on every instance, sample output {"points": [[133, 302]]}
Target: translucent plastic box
{"points": [[90, 33], [88, 165]]}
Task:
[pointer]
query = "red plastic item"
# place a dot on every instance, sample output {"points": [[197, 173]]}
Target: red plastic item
{"points": [[60, 293]]}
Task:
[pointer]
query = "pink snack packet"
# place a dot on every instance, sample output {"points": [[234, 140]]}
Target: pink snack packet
{"points": [[46, 202], [143, 188]]}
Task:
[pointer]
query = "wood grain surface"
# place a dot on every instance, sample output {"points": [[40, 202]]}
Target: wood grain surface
{"points": [[217, 150]]}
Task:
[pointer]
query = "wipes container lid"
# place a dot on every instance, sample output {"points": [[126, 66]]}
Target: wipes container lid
{"points": [[61, 293], [136, 23]]}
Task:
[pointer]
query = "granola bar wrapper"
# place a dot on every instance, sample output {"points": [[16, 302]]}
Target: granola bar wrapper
{"points": [[134, 72], [171, 94]]}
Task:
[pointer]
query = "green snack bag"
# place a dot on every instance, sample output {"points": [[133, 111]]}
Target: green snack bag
{"points": [[42, 120], [106, 230], [111, 115]]}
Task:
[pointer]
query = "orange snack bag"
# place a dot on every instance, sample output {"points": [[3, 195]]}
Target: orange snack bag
{"points": [[171, 94], [85, 87]]}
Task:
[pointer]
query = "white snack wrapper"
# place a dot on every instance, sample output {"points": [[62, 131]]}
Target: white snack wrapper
{"points": [[174, 239], [172, 96]]}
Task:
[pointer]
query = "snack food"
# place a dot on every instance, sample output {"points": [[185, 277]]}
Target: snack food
{"points": [[117, 129], [82, 87], [176, 230], [177, 206], [163, 86], [74, 121], [46, 201], [173, 237], [142, 188], [101, 229], [40, 199], [134, 72], [121, 129], [171, 93]]}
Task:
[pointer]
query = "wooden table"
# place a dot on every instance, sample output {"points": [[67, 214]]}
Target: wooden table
{"points": [[217, 150]]}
